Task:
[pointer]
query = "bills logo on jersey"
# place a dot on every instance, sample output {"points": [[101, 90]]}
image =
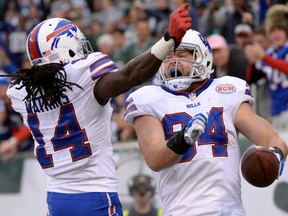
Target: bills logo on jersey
{"points": [[225, 88], [192, 96]]}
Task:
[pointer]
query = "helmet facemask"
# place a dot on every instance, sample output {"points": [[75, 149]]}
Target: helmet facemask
{"points": [[178, 71]]}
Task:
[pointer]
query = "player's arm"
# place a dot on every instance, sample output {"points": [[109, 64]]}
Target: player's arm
{"points": [[152, 143], [258, 130], [141, 68], [279, 64]]}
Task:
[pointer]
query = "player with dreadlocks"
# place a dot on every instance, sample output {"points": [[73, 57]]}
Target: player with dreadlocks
{"points": [[48, 81], [65, 101]]}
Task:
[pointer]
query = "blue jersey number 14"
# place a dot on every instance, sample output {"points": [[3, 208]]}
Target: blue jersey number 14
{"points": [[67, 134]]}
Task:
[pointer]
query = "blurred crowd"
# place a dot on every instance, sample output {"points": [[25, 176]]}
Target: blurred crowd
{"points": [[236, 30]]}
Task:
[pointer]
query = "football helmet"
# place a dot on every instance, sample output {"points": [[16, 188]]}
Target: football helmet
{"points": [[56, 40], [201, 65]]}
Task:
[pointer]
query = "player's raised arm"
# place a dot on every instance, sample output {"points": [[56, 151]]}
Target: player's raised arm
{"points": [[144, 66]]}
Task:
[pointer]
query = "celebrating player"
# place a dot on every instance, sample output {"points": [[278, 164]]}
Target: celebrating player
{"points": [[65, 101], [187, 132]]}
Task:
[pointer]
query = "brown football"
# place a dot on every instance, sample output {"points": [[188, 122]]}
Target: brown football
{"points": [[259, 166]]}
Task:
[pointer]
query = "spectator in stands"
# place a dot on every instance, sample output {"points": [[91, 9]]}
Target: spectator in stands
{"points": [[273, 63], [158, 17], [256, 77], [5, 131], [227, 59], [135, 13], [122, 131], [200, 6], [120, 46], [144, 40], [93, 32], [5, 63], [142, 190], [207, 27], [14, 135], [106, 44], [243, 35], [108, 12], [226, 18], [17, 40], [259, 36]]}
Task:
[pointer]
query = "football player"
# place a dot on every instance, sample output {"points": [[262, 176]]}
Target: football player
{"points": [[65, 101], [188, 132]]}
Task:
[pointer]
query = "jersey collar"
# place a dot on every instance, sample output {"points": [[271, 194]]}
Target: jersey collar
{"points": [[197, 92]]}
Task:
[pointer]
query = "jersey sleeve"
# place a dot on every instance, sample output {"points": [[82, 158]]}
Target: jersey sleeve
{"points": [[139, 103], [241, 95], [100, 65], [94, 65], [247, 95], [16, 96], [242, 92]]}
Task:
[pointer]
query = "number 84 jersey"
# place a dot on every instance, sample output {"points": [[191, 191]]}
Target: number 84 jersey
{"points": [[206, 181]]}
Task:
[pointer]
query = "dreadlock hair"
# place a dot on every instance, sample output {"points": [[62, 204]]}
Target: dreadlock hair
{"points": [[47, 81]]}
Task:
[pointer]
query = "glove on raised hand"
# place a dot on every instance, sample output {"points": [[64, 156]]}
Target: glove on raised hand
{"points": [[280, 156], [180, 22], [195, 127]]}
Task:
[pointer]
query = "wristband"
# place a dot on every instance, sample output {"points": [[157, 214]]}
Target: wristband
{"points": [[279, 154], [178, 144], [168, 37], [162, 48]]}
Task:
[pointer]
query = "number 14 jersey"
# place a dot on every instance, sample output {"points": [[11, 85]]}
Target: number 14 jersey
{"points": [[72, 137]]}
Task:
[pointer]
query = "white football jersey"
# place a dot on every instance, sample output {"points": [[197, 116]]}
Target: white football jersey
{"points": [[206, 181], [73, 138]]}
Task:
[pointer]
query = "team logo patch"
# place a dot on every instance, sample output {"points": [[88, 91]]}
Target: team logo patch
{"points": [[192, 96], [225, 89]]}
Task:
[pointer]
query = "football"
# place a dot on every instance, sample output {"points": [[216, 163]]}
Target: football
{"points": [[259, 166]]}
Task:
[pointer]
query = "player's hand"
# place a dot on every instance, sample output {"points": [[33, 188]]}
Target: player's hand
{"points": [[195, 128], [8, 149], [280, 156], [179, 22]]}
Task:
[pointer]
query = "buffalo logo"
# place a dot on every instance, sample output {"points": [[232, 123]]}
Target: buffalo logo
{"points": [[225, 89], [63, 28], [205, 42], [192, 96]]}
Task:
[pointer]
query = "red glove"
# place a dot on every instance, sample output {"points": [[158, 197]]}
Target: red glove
{"points": [[180, 22]]}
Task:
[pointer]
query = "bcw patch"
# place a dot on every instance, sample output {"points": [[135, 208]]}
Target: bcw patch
{"points": [[225, 89]]}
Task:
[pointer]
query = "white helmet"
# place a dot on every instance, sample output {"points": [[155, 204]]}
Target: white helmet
{"points": [[201, 66], [56, 40]]}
